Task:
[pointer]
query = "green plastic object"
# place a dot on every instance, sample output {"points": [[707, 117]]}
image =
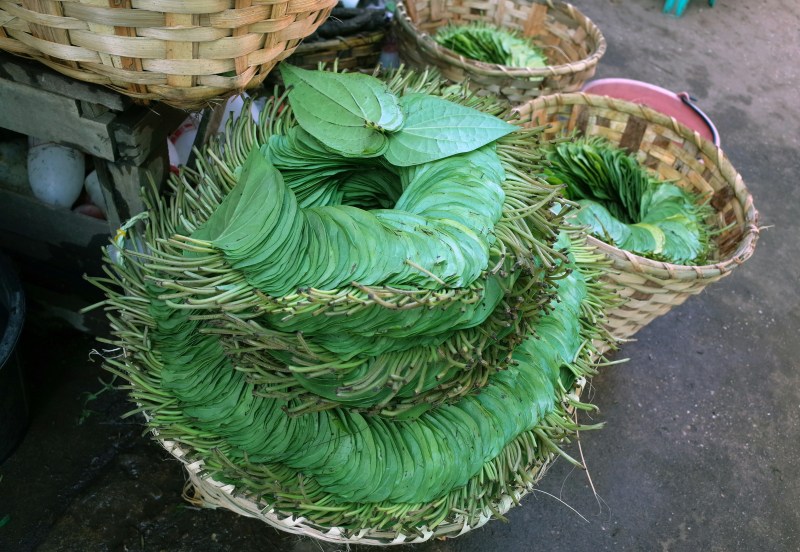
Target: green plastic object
{"points": [[680, 6]]}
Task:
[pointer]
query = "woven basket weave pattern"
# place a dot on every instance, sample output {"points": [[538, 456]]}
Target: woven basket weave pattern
{"points": [[572, 43], [674, 152], [182, 52]]}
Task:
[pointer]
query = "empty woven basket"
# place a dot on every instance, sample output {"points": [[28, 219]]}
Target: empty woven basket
{"points": [[572, 43], [673, 151], [182, 52]]}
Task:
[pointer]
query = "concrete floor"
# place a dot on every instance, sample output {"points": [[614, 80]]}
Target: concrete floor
{"points": [[702, 428]]}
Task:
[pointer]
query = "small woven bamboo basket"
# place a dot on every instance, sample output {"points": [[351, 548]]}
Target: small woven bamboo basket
{"points": [[182, 52], [650, 288], [571, 42]]}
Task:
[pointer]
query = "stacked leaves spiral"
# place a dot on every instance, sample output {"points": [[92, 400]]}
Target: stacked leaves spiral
{"points": [[626, 206], [365, 310]]}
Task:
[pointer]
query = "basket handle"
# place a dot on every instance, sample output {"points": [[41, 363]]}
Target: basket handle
{"points": [[689, 101]]}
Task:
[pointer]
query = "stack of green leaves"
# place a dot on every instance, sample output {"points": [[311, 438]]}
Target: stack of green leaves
{"points": [[314, 309], [445, 229], [626, 206], [491, 44]]}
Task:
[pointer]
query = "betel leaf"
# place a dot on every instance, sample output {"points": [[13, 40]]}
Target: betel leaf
{"points": [[644, 239], [601, 223], [436, 128], [683, 243], [362, 96], [349, 113], [491, 44]]}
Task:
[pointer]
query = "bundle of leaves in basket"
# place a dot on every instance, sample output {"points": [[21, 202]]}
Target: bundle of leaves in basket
{"points": [[628, 207], [665, 206], [363, 318], [489, 43], [516, 50]]}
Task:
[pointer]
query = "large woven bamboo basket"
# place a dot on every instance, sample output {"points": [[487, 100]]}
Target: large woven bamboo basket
{"points": [[675, 152], [571, 42], [182, 52], [204, 491]]}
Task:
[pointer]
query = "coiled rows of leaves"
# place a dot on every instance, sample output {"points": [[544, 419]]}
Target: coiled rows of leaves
{"points": [[625, 205], [364, 309]]}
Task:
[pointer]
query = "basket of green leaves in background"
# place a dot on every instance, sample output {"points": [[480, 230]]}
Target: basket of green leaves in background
{"points": [[663, 204], [516, 50]]}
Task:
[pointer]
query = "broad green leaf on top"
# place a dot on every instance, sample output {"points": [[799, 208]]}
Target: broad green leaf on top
{"points": [[683, 241], [349, 113], [350, 141], [436, 128]]}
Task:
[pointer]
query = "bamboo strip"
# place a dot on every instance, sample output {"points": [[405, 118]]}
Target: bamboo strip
{"points": [[42, 19], [233, 19], [98, 28], [99, 11], [182, 7], [240, 61], [184, 50], [122, 60], [47, 33], [191, 34]]}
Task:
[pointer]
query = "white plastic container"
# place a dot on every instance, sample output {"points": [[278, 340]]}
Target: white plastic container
{"points": [[55, 173], [183, 139]]}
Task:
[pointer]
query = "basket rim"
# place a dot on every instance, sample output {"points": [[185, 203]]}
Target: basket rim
{"points": [[424, 40], [622, 259]]}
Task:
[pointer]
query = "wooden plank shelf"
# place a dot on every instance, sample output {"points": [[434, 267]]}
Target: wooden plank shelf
{"points": [[125, 142], [49, 225]]}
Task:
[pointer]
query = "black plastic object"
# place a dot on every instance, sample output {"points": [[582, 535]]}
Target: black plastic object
{"points": [[344, 22], [14, 412]]}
